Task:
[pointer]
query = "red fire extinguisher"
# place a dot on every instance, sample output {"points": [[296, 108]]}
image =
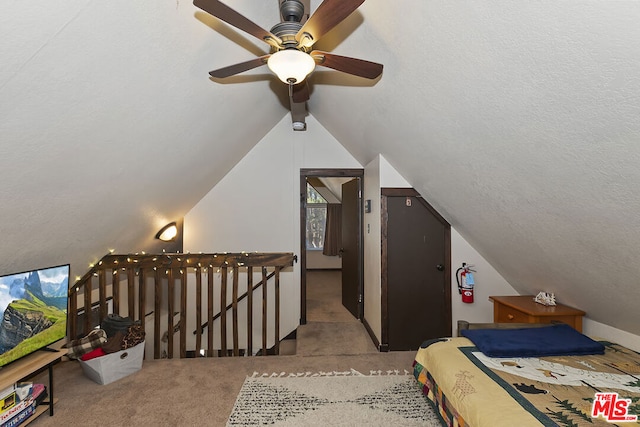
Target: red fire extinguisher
{"points": [[466, 282]]}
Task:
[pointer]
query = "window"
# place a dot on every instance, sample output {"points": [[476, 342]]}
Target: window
{"points": [[316, 219]]}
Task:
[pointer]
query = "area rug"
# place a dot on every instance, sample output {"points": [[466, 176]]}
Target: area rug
{"points": [[348, 398]]}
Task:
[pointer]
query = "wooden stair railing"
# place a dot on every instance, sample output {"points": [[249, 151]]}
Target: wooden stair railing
{"points": [[137, 285], [203, 326]]}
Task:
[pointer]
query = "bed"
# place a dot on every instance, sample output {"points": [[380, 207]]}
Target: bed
{"points": [[529, 378]]}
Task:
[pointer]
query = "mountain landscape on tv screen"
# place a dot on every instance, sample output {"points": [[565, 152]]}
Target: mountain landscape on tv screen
{"points": [[33, 311]]}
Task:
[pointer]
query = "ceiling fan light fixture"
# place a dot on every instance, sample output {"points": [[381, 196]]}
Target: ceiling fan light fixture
{"points": [[291, 65]]}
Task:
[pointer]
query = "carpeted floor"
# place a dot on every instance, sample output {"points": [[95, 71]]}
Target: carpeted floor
{"points": [[197, 392]]}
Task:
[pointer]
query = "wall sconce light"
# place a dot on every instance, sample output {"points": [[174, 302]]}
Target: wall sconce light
{"points": [[168, 233]]}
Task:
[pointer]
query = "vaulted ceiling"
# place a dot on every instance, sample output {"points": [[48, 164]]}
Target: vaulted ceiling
{"points": [[518, 121]]}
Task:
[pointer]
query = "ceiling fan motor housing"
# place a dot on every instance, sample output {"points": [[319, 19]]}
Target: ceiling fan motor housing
{"points": [[287, 31], [292, 10]]}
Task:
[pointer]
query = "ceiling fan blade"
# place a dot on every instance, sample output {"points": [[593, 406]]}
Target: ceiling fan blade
{"points": [[300, 92], [329, 14], [230, 16], [357, 67], [239, 68]]}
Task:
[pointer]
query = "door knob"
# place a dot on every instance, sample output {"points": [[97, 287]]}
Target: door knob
{"points": [[440, 267]]}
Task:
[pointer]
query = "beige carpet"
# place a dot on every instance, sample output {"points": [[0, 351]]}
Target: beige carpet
{"points": [[202, 392], [333, 338], [324, 297], [330, 328], [191, 392]]}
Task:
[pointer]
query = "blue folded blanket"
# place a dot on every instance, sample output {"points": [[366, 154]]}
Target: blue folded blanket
{"points": [[555, 340]]}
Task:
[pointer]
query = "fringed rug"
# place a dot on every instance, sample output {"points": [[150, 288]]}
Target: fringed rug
{"points": [[349, 398]]}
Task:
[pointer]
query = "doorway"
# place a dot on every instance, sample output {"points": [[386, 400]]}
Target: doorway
{"points": [[416, 279], [351, 244]]}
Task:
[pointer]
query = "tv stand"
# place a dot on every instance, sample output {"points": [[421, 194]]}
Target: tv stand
{"points": [[28, 367]]}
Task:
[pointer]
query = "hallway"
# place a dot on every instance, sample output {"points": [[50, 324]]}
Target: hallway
{"points": [[330, 328]]}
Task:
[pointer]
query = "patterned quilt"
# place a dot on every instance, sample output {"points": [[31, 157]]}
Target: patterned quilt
{"points": [[473, 389]]}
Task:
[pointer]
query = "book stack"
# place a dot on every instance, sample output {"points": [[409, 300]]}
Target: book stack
{"points": [[19, 401]]}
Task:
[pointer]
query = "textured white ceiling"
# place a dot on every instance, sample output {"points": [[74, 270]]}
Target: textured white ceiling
{"points": [[518, 121]]}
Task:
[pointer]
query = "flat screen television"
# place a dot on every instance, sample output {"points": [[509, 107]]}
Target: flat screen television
{"points": [[33, 311]]}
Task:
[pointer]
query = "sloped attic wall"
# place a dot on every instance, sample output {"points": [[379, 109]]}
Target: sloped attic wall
{"points": [[519, 122], [110, 126]]}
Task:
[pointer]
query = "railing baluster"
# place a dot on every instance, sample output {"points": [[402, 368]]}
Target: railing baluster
{"points": [[72, 323], [88, 285], [198, 311], [209, 311], [157, 335], [234, 312], [183, 313], [277, 311], [223, 312], [170, 312], [102, 294], [249, 311], [131, 289], [115, 290], [264, 311], [142, 297]]}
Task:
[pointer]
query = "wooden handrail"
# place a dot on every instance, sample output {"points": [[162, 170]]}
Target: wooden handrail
{"points": [[162, 287]]}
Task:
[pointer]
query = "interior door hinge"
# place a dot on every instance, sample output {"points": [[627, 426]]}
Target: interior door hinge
{"points": [[360, 298]]}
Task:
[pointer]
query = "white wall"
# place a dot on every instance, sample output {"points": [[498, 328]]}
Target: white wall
{"points": [[256, 206], [599, 330], [488, 282], [372, 248], [316, 260], [377, 174]]}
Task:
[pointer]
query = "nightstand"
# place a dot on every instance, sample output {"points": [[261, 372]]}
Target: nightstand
{"points": [[523, 309]]}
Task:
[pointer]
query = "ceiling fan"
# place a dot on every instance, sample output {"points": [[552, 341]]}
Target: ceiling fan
{"points": [[292, 57]]}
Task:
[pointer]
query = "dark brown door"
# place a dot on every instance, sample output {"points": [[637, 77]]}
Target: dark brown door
{"points": [[418, 276], [351, 247]]}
